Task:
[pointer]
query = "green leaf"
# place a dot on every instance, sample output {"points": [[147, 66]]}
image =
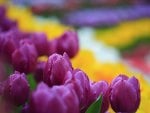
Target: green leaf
{"points": [[31, 81], [95, 107]]}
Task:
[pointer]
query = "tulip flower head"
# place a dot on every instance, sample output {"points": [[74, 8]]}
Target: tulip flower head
{"points": [[41, 43], [100, 88], [16, 88], [68, 43], [58, 99], [9, 43], [56, 68], [24, 59], [79, 81], [125, 94]]}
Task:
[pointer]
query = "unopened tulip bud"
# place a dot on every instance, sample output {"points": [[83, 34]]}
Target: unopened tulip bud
{"points": [[68, 43], [97, 89], [80, 83], [125, 94], [41, 43], [24, 59], [58, 99], [9, 43], [56, 68], [16, 89], [39, 99], [69, 98]]}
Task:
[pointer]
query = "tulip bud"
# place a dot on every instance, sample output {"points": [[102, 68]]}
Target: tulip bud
{"points": [[41, 43], [68, 43], [69, 98], [16, 89], [39, 99], [58, 99], [9, 43], [24, 59], [97, 89], [80, 83], [56, 68], [125, 94]]}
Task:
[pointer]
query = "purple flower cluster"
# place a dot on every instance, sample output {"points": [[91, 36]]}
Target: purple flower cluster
{"points": [[41, 6], [106, 17], [69, 90], [58, 99], [23, 49], [63, 89], [60, 87]]}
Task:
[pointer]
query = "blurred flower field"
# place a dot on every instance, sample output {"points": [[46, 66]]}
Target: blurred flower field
{"points": [[121, 39]]}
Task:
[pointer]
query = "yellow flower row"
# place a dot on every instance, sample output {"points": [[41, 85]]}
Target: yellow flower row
{"points": [[125, 33], [30, 23]]}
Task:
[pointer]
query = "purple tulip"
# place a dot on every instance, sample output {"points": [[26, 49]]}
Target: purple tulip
{"points": [[58, 99], [97, 89], [79, 81], [41, 43], [9, 47], [125, 94], [56, 68], [9, 43], [68, 43], [39, 99], [24, 59], [16, 89], [69, 97]]}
